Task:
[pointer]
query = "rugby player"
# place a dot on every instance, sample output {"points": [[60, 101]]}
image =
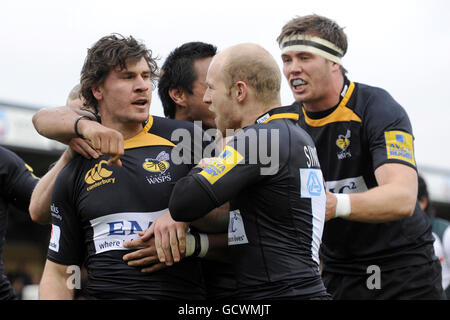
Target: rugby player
{"points": [[95, 208], [278, 213], [181, 88], [17, 184], [365, 147]]}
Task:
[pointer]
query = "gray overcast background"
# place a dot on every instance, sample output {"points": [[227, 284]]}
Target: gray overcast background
{"points": [[402, 46]]}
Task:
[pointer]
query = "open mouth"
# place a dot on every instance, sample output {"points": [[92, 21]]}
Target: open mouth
{"points": [[298, 83], [140, 102]]}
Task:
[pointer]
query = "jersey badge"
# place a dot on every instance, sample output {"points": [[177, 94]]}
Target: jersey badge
{"points": [[343, 142], [236, 230], [158, 167], [54, 238], [226, 161], [160, 164], [399, 145], [98, 176], [311, 183]]}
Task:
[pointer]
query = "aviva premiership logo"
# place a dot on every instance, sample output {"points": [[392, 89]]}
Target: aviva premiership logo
{"points": [[98, 176], [343, 142], [158, 167]]}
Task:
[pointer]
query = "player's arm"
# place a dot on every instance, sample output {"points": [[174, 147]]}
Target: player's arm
{"points": [[58, 123], [53, 284], [63, 123], [394, 198], [42, 194]]}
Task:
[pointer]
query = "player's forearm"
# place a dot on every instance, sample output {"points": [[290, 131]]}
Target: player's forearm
{"points": [[218, 247], [57, 123], [189, 201], [382, 204], [42, 194], [53, 284], [215, 221]]}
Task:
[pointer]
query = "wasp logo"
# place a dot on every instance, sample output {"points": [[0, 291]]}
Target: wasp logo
{"points": [[160, 164], [343, 143], [98, 176]]}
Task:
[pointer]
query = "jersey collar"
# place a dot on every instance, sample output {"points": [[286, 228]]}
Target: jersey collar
{"points": [[288, 112]]}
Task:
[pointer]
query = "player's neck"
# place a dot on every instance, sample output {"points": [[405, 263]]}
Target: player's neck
{"points": [[252, 114], [127, 129]]}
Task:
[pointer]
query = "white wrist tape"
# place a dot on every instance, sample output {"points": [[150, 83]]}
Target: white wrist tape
{"points": [[343, 205], [190, 244], [204, 245]]}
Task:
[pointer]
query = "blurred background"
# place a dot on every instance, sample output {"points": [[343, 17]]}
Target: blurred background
{"points": [[401, 46]]}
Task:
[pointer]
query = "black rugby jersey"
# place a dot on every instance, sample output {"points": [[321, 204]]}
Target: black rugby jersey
{"points": [[95, 208], [17, 182], [367, 129], [278, 205]]}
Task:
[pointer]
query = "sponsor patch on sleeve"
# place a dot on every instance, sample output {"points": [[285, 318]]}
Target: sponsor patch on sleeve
{"points": [[54, 238], [226, 161], [399, 145]]}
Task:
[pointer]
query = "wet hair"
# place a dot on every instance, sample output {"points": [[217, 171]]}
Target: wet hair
{"points": [[178, 71]]}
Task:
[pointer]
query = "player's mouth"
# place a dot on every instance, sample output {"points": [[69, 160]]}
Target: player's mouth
{"points": [[298, 84], [140, 102]]}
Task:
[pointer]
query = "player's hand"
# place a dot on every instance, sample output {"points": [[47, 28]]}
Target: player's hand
{"points": [[203, 163], [330, 212], [84, 148], [105, 140], [146, 256], [170, 238]]}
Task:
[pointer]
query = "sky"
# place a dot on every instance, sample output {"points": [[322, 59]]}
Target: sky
{"points": [[401, 46]]}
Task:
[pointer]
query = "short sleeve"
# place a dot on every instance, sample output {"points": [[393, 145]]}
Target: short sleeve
{"points": [[388, 131]]}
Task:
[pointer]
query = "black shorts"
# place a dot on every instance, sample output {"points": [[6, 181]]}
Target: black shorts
{"points": [[420, 282]]}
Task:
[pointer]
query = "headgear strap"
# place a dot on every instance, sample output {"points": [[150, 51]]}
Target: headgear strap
{"points": [[316, 45]]}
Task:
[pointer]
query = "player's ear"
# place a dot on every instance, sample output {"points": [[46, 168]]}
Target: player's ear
{"points": [[178, 96], [241, 91], [97, 91]]}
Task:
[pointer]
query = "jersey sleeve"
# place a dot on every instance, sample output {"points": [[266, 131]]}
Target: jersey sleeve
{"points": [[236, 167], [388, 131], [17, 179], [66, 242]]}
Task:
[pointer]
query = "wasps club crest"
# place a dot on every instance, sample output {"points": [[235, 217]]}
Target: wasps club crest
{"points": [[343, 142], [160, 164]]}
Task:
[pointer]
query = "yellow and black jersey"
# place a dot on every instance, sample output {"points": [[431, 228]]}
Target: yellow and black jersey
{"points": [[367, 129], [95, 208], [277, 201], [17, 182]]}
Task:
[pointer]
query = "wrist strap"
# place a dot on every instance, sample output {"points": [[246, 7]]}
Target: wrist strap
{"points": [[343, 205], [197, 244], [75, 125], [204, 245]]}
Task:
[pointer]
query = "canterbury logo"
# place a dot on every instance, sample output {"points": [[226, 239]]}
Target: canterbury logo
{"points": [[97, 173]]}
